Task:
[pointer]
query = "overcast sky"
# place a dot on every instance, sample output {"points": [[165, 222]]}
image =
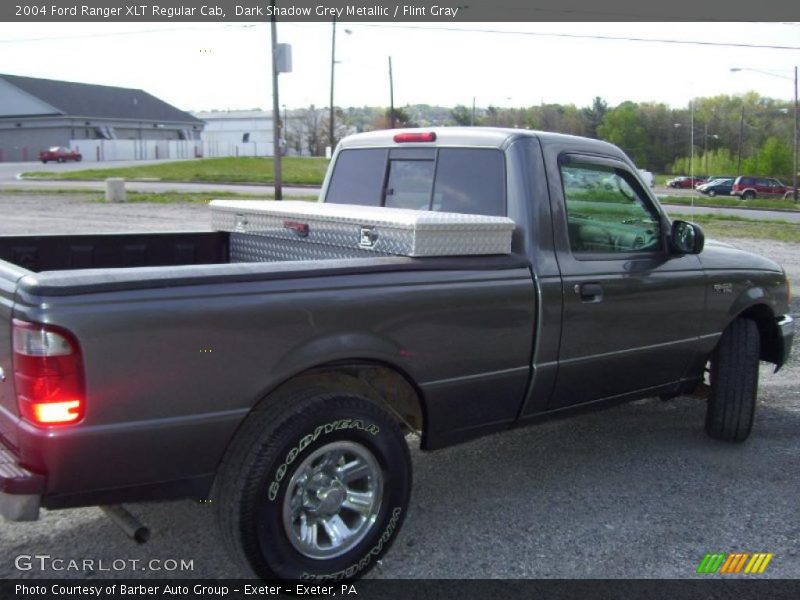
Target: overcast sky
{"points": [[226, 65]]}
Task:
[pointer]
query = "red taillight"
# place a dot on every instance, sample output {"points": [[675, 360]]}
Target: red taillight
{"points": [[48, 373], [415, 136]]}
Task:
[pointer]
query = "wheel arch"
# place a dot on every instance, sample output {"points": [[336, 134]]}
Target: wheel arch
{"points": [[383, 383], [769, 334], [380, 382]]}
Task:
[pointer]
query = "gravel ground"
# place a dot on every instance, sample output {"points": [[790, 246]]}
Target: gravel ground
{"points": [[635, 491]]}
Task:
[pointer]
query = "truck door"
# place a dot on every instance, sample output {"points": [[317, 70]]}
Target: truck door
{"points": [[631, 310]]}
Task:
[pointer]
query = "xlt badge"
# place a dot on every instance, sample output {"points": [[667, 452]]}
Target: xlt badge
{"points": [[723, 288]]}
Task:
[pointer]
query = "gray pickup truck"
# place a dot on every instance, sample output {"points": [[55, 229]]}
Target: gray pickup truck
{"points": [[139, 367]]}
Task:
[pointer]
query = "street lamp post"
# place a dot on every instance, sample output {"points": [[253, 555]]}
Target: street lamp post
{"points": [[333, 69], [331, 132], [276, 131], [794, 140]]}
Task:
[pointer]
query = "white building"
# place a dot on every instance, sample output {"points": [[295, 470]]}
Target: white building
{"points": [[236, 132]]}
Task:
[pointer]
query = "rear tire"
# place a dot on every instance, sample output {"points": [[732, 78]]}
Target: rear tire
{"points": [[734, 382], [315, 486], [712, 193], [749, 195]]}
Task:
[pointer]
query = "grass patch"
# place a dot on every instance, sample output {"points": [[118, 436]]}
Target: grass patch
{"points": [[47, 191], [296, 171], [739, 227], [729, 202]]}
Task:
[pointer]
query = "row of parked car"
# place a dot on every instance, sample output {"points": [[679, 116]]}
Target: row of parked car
{"points": [[745, 187]]}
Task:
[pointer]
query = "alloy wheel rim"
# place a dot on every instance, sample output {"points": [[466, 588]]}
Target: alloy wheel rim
{"points": [[333, 500]]}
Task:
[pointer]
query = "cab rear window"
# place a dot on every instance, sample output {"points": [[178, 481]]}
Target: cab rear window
{"points": [[461, 180]]}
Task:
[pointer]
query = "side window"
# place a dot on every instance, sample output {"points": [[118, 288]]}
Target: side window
{"points": [[605, 215], [762, 182]]}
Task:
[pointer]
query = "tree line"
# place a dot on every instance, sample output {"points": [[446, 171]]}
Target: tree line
{"points": [[722, 134]]}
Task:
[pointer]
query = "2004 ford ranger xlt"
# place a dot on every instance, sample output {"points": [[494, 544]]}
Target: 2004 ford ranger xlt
{"points": [[450, 282]]}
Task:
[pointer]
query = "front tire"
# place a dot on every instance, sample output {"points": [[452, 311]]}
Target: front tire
{"points": [[712, 193], [315, 486], [734, 382]]}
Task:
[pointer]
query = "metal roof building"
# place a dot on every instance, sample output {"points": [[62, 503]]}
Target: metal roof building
{"points": [[38, 113]]}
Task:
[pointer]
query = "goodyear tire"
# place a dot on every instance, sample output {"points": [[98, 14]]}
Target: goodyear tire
{"points": [[315, 486], [734, 383]]}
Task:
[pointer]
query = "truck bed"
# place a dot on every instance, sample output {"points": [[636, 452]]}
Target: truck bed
{"points": [[114, 250]]}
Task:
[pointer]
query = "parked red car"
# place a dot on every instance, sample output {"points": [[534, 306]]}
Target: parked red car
{"points": [[748, 188], [685, 182], [59, 154]]}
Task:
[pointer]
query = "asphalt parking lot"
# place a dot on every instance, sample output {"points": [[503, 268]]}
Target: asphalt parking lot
{"points": [[637, 491]]}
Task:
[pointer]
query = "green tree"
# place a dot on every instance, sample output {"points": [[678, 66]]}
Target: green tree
{"points": [[774, 159], [461, 115], [624, 127], [401, 118], [594, 115]]}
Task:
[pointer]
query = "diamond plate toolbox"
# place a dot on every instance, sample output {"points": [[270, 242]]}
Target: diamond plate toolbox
{"points": [[272, 230]]}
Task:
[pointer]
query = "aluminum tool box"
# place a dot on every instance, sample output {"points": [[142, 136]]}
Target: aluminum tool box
{"points": [[271, 230]]}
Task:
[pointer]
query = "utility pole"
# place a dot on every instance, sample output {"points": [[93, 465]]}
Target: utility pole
{"points": [[276, 113], [691, 139], [472, 121], [285, 127], [331, 136], [794, 174], [391, 95]]}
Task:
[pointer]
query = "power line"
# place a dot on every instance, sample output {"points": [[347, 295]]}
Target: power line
{"points": [[79, 36], [447, 29], [588, 36]]}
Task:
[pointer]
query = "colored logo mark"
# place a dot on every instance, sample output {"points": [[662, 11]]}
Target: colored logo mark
{"points": [[738, 562]]}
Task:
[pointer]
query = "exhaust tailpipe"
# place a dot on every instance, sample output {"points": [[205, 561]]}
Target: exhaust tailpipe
{"points": [[132, 527]]}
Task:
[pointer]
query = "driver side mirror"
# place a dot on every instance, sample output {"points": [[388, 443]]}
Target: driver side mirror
{"points": [[686, 238]]}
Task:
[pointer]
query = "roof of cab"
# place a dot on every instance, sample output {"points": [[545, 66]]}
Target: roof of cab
{"points": [[490, 137]]}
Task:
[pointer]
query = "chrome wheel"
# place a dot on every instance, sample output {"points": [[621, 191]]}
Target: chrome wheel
{"points": [[333, 500]]}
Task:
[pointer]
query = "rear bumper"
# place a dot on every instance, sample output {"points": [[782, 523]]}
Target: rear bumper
{"points": [[20, 489]]}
